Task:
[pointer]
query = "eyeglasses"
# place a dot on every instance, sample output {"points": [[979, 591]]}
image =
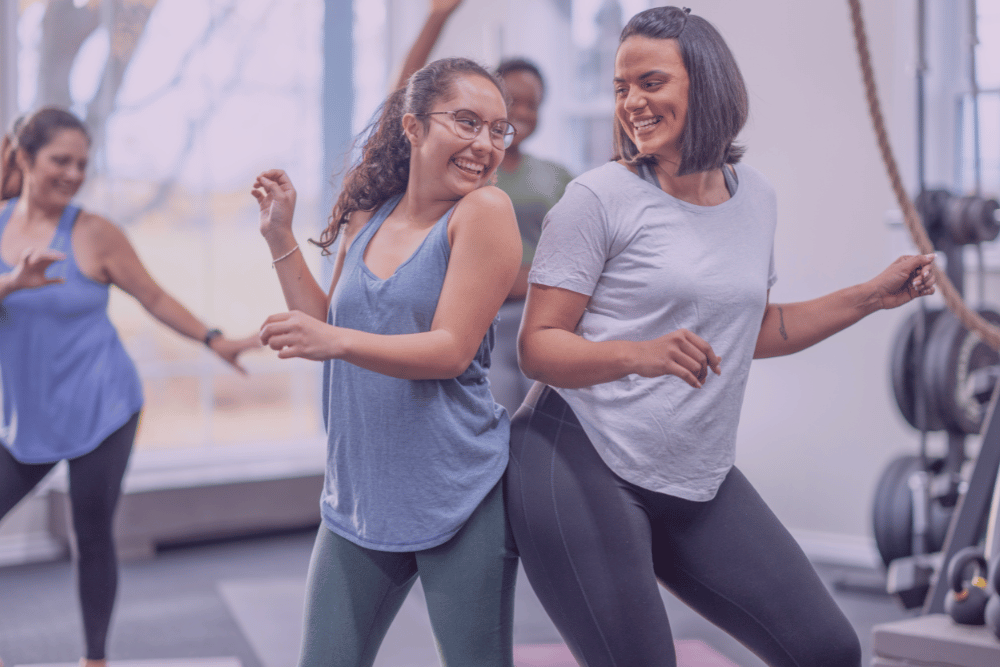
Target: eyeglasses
{"points": [[468, 125]]}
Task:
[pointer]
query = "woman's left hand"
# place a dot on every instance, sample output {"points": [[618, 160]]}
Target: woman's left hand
{"points": [[295, 334], [229, 350], [907, 278]]}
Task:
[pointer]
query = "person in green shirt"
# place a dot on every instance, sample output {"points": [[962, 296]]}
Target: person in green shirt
{"points": [[533, 184]]}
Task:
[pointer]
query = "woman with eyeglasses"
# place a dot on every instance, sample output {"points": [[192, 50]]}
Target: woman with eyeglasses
{"points": [[648, 299], [533, 184], [426, 253]]}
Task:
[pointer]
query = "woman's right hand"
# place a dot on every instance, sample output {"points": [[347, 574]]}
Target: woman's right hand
{"points": [[679, 353], [275, 194], [29, 272]]}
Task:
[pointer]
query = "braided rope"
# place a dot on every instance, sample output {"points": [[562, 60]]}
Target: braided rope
{"points": [[952, 299]]}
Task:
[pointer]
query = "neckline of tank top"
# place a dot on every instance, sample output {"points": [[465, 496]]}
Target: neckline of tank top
{"points": [[66, 221], [391, 206]]}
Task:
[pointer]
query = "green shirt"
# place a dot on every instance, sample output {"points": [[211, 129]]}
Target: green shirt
{"points": [[534, 187]]}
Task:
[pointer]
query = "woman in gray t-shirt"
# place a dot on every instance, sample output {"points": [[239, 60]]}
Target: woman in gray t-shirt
{"points": [[652, 271]]}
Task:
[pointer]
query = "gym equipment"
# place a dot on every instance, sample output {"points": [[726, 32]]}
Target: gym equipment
{"points": [[992, 608], [971, 219], [966, 603], [893, 509], [973, 514], [960, 220], [905, 367], [959, 373]]}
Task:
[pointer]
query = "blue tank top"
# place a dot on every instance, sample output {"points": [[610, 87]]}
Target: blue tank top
{"points": [[407, 460], [66, 382]]}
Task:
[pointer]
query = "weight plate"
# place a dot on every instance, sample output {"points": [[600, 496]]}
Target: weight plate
{"points": [[960, 371], [983, 215], [892, 510], [903, 369], [930, 204]]}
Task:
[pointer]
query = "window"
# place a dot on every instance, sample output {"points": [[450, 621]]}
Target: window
{"points": [[187, 102]]}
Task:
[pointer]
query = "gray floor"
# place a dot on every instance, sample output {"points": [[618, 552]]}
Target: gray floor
{"points": [[242, 600]]}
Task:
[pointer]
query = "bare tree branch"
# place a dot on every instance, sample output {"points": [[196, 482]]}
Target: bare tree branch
{"points": [[65, 27]]}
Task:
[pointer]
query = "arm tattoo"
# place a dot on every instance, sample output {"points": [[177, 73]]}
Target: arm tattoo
{"points": [[781, 326]]}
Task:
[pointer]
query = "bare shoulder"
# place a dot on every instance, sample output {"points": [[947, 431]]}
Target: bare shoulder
{"points": [[100, 247], [97, 236], [97, 228], [485, 203]]}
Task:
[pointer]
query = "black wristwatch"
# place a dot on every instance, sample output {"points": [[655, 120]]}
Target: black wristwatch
{"points": [[209, 335]]}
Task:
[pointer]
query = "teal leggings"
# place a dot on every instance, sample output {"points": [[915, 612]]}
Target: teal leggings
{"points": [[353, 593]]}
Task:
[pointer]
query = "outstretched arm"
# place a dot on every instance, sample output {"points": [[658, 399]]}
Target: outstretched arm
{"points": [[120, 265], [485, 253], [788, 328], [421, 49]]}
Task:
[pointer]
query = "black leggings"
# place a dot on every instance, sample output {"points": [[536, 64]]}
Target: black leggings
{"points": [[94, 487], [594, 547]]}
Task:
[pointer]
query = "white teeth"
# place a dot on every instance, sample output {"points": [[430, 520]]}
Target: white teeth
{"points": [[469, 165], [643, 124]]}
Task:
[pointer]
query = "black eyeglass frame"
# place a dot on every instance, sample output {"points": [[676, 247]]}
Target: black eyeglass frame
{"points": [[508, 132]]}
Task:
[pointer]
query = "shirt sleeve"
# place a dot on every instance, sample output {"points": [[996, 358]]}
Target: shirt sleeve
{"points": [[772, 272], [575, 243]]}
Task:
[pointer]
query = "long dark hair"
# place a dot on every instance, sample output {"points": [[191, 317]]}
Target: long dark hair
{"points": [[384, 167], [31, 134], [718, 103]]}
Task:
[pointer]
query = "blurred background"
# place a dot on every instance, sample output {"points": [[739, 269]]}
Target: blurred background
{"points": [[188, 100]]}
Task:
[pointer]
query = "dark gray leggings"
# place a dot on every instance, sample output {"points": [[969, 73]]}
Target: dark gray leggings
{"points": [[594, 547], [353, 594], [94, 487]]}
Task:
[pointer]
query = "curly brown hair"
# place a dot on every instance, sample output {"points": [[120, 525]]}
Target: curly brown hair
{"points": [[384, 167]]}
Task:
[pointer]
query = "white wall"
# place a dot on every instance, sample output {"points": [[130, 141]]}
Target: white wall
{"points": [[818, 427]]}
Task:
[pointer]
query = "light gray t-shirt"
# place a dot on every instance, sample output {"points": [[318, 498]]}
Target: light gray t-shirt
{"points": [[653, 264]]}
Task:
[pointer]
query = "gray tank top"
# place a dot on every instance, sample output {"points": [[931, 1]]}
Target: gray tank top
{"points": [[407, 460]]}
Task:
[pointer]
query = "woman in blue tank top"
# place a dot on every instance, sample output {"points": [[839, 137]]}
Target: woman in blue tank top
{"points": [[416, 443], [68, 389]]}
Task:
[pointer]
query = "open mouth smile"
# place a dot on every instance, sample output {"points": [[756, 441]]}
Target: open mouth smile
{"points": [[469, 166], [646, 124]]}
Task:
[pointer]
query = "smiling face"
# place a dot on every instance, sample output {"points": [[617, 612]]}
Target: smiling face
{"points": [[443, 160], [58, 169], [651, 95]]}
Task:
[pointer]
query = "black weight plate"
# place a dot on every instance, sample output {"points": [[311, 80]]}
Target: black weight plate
{"points": [[959, 373], [903, 369], [892, 510], [930, 204]]}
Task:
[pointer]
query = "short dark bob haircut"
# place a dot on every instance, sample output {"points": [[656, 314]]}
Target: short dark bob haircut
{"points": [[718, 103]]}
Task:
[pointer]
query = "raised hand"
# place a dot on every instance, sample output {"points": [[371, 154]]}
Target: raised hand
{"points": [[909, 277], [679, 353], [275, 194], [29, 272]]}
